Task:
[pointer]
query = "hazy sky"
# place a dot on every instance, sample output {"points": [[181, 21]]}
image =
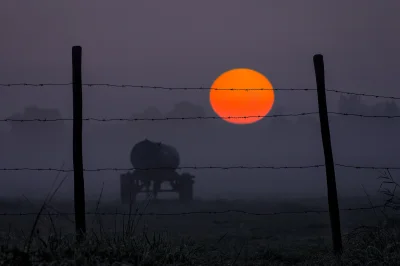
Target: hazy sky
{"points": [[189, 43]]}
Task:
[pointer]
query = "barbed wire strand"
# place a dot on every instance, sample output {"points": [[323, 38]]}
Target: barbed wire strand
{"points": [[191, 118], [192, 88], [364, 116], [154, 119], [193, 212], [163, 168], [363, 94], [149, 87], [367, 167], [210, 167]]}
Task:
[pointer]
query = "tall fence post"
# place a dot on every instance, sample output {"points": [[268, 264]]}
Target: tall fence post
{"points": [[79, 184], [329, 165]]}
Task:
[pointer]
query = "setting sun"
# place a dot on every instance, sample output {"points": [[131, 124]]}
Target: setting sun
{"points": [[228, 96]]}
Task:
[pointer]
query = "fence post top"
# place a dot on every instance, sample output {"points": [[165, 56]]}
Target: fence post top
{"points": [[318, 56]]}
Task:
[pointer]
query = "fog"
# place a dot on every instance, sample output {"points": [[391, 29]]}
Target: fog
{"points": [[273, 141], [189, 45]]}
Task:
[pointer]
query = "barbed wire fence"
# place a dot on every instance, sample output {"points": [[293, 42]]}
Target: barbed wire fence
{"points": [[191, 88], [191, 212], [77, 147]]}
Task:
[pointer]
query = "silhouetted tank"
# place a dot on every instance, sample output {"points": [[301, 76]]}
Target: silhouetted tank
{"points": [[147, 154]]}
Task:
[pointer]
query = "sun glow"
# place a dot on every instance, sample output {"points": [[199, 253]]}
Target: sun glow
{"points": [[242, 106]]}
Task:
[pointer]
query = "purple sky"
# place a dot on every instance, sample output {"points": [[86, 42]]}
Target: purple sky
{"points": [[189, 43]]}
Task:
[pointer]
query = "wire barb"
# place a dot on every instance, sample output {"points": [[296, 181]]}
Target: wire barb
{"points": [[196, 212], [155, 119], [165, 168], [209, 167], [189, 88], [192, 118], [150, 87]]}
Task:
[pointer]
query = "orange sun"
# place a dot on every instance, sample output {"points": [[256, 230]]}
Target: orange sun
{"points": [[254, 102]]}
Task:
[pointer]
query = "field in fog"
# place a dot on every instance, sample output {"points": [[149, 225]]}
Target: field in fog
{"points": [[253, 224], [281, 238]]}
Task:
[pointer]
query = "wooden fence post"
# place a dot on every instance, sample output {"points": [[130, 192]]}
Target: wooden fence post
{"points": [[329, 165], [79, 184]]}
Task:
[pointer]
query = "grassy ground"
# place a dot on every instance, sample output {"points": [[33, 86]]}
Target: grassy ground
{"points": [[197, 239]]}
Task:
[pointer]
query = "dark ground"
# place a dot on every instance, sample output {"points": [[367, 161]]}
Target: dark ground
{"points": [[200, 239]]}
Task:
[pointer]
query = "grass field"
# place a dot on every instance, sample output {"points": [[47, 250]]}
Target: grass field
{"points": [[197, 239]]}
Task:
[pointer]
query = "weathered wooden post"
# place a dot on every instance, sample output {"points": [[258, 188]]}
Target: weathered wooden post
{"points": [[329, 165], [79, 184]]}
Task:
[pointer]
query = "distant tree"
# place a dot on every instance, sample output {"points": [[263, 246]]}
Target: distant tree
{"points": [[186, 109], [36, 127], [148, 113], [352, 104], [391, 108], [145, 127]]}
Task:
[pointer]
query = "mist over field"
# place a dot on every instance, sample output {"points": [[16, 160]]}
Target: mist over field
{"points": [[274, 141]]}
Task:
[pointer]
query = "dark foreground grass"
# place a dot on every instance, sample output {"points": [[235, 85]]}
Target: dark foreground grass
{"points": [[365, 246], [228, 239]]}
